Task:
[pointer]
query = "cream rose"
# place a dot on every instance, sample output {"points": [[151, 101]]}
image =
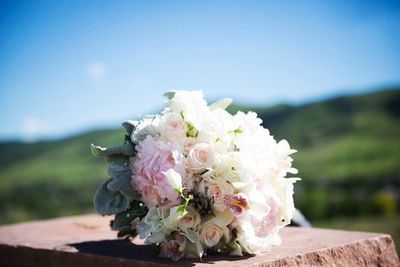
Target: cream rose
{"points": [[217, 190], [201, 156], [191, 219], [172, 126], [188, 144], [211, 233]]}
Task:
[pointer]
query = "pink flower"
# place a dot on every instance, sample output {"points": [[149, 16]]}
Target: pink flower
{"points": [[173, 249], [265, 226], [237, 203], [154, 158]]}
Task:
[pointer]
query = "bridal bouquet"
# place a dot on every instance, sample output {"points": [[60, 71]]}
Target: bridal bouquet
{"points": [[196, 179]]}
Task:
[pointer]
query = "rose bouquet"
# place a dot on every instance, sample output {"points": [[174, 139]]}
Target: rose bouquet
{"points": [[196, 179]]}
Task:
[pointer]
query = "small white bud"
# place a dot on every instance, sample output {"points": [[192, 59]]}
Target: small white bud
{"points": [[174, 179]]}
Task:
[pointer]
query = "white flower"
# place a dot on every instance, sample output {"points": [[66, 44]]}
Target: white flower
{"points": [[171, 222], [186, 102], [269, 212], [215, 125], [174, 180], [253, 244], [284, 187], [200, 156], [222, 103], [253, 137], [259, 225], [149, 125], [235, 167], [151, 224]]}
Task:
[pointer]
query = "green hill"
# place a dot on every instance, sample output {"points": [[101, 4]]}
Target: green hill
{"points": [[349, 155], [353, 136]]}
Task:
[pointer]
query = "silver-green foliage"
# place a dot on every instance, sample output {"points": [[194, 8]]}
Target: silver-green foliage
{"points": [[116, 195]]}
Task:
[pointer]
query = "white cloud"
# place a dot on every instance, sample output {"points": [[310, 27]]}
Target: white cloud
{"points": [[33, 126], [96, 70]]}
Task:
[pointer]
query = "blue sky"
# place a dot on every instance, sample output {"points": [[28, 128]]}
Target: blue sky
{"points": [[69, 66]]}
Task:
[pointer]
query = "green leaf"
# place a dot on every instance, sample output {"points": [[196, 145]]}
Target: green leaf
{"points": [[123, 185], [123, 219], [129, 126], [118, 167], [108, 202], [182, 209], [127, 149], [170, 94], [117, 157]]}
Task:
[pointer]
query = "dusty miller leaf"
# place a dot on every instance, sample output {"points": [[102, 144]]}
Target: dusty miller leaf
{"points": [[107, 202], [122, 184], [129, 126], [127, 149], [123, 219]]}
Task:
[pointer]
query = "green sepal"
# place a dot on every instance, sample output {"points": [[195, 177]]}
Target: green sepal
{"points": [[107, 202], [191, 130]]}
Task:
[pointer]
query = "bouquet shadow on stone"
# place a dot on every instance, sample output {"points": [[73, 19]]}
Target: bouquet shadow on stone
{"points": [[196, 179]]}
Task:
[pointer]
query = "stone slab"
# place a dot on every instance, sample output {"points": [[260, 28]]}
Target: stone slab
{"points": [[88, 241]]}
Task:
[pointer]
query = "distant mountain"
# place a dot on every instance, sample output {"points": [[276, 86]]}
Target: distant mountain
{"points": [[347, 140]]}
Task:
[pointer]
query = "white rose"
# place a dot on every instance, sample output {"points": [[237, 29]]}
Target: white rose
{"points": [[200, 157], [211, 233], [215, 125]]}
